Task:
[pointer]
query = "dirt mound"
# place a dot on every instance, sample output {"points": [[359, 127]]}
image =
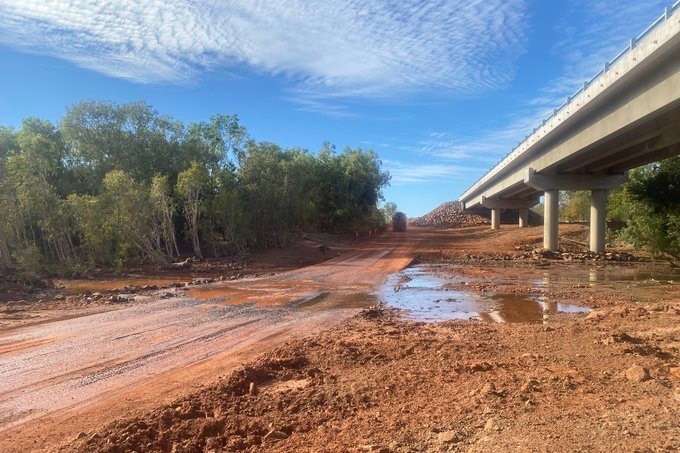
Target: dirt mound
{"points": [[217, 417], [449, 215], [452, 215]]}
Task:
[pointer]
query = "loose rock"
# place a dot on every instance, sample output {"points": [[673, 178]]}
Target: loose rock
{"points": [[637, 373]]}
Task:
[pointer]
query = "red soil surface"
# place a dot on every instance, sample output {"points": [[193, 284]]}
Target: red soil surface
{"points": [[265, 366]]}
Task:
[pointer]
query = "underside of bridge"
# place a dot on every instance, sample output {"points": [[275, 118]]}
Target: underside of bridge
{"points": [[598, 169], [628, 117]]}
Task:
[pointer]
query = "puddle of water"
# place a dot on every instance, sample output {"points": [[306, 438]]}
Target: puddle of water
{"points": [[514, 308], [263, 295], [312, 301], [633, 274], [300, 296], [338, 301], [218, 291], [421, 292], [75, 287]]}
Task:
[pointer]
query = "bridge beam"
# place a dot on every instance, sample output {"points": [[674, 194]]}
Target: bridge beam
{"points": [[508, 203], [573, 182], [552, 184]]}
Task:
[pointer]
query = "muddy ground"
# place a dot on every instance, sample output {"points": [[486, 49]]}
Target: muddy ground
{"points": [[608, 380]]}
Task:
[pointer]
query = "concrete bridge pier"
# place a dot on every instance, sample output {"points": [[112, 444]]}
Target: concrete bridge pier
{"points": [[598, 217], [551, 219], [552, 184], [523, 217], [509, 203], [496, 219]]}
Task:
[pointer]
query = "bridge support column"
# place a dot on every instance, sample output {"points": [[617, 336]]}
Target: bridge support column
{"points": [[496, 204], [523, 217], [551, 185], [598, 210], [496, 219], [550, 219]]}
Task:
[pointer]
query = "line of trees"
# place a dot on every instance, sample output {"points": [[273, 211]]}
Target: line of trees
{"points": [[114, 183]]}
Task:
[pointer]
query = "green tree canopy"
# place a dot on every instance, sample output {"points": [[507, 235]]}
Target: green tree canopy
{"points": [[113, 183]]}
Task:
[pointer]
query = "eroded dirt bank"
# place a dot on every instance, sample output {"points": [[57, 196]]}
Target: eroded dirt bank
{"points": [[606, 381]]}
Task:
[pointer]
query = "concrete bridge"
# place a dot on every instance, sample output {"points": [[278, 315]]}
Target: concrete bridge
{"points": [[628, 115]]}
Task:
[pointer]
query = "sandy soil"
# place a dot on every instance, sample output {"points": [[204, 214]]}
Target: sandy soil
{"points": [[318, 377]]}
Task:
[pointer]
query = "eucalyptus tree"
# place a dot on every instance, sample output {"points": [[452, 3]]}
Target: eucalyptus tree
{"points": [[8, 222], [133, 137], [163, 208], [262, 184], [193, 187], [131, 218], [350, 190], [37, 180]]}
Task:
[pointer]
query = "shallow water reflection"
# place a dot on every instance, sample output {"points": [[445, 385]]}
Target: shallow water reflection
{"points": [[422, 293]]}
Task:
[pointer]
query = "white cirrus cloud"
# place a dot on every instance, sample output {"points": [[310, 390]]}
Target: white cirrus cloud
{"points": [[593, 32], [605, 30], [344, 47], [404, 173]]}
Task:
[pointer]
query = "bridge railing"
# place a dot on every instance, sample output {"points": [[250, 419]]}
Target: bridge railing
{"points": [[509, 157]]}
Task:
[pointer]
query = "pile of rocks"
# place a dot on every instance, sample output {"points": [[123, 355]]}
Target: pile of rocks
{"points": [[539, 254], [449, 215]]}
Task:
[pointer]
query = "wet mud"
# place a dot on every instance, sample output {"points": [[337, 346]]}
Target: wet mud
{"points": [[342, 381]]}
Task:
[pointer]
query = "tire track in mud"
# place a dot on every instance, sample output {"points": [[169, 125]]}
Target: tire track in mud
{"points": [[89, 361]]}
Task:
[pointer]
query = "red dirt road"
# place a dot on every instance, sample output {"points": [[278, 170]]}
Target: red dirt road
{"points": [[65, 376]]}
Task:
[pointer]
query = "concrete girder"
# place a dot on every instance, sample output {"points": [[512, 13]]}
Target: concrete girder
{"points": [[657, 94], [472, 203], [573, 182], [665, 153], [661, 132], [651, 146], [506, 203], [522, 192]]}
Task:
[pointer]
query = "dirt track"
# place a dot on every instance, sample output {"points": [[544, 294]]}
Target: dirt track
{"points": [[331, 382], [83, 370]]}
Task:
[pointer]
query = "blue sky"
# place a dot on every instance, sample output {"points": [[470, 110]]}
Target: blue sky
{"points": [[441, 90]]}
